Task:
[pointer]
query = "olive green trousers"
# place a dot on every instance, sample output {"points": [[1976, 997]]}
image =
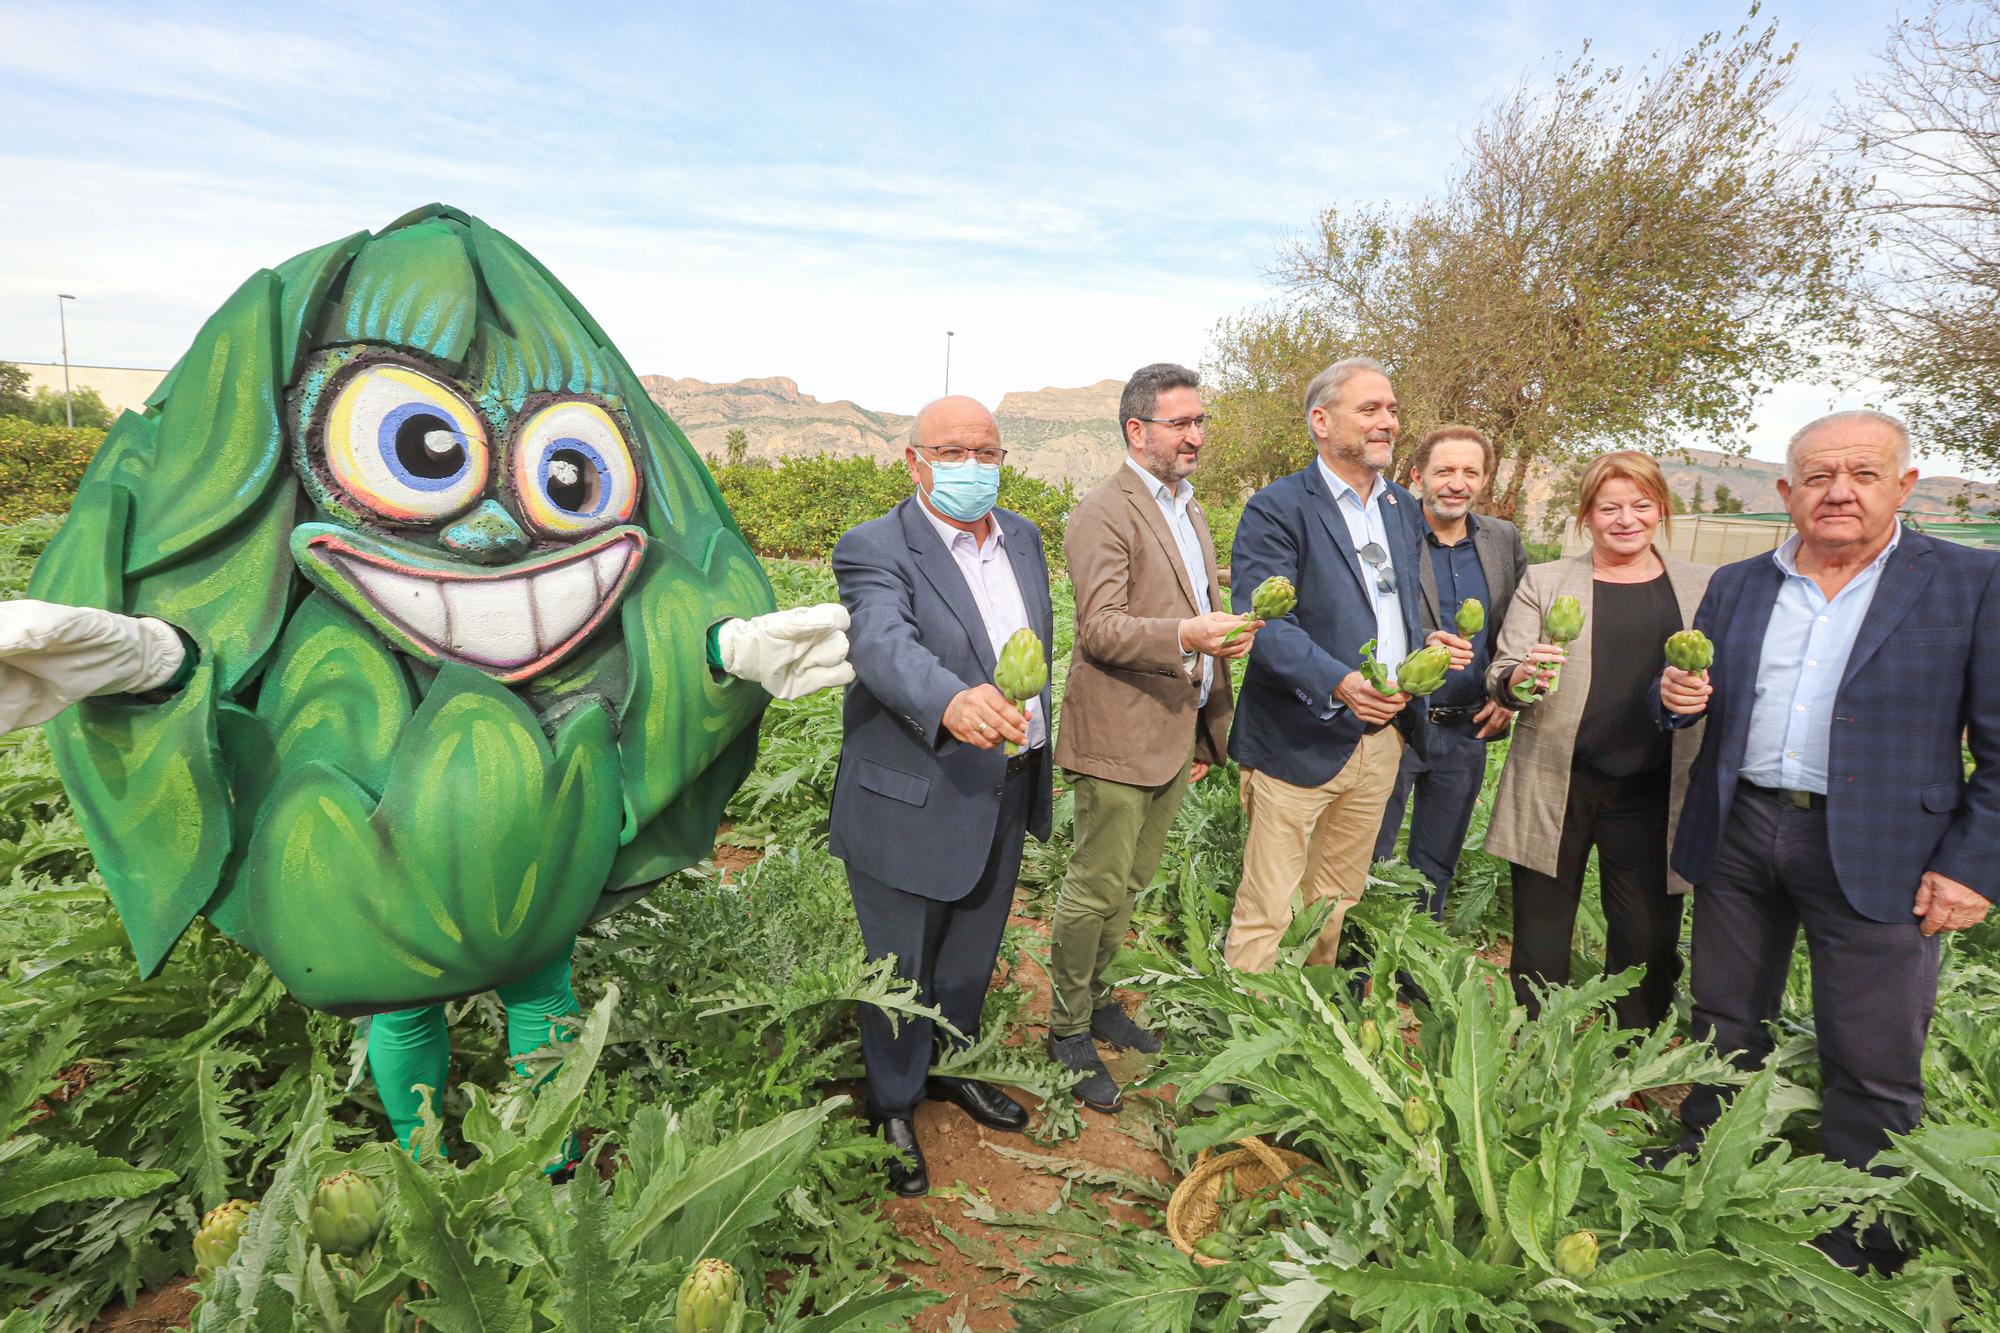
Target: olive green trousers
{"points": [[1120, 834]]}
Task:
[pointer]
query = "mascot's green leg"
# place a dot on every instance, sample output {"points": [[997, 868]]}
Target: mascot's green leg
{"points": [[408, 1049], [536, 1006]]}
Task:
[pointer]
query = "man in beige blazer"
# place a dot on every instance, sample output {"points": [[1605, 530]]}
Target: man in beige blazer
{"points": [[1146, 710]]}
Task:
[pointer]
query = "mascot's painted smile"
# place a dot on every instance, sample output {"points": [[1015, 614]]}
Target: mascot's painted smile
{"points": [[512, 623]]}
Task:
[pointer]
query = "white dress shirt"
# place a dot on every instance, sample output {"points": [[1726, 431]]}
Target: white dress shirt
{"points": [[995, 592], [1806, 647], [1174, 506], [1364, 525]]}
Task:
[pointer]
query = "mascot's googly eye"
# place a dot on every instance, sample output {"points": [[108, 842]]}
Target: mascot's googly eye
{"points": [[572, 469], [405, 446]]}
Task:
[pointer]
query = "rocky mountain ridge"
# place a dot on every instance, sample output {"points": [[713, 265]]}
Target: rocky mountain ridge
{"points": [[1069, 434]]}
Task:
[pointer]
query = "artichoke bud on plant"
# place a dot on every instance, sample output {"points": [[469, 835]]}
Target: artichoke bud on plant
{"points": [[1423, 671], [346, 1213], [219, 1235], [1371, 1038], [1690, 650], [1416, 1116], [711, 1300], [1576, 1255], [1471, 617], [1022, 671], [1274, 597]]}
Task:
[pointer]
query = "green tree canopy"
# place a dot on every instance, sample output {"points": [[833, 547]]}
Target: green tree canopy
{"points": [[46, 408], [15, 400], [1619, 257]]}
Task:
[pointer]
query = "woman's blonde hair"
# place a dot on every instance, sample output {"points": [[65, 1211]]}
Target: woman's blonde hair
{"points": [[1631, 465]]}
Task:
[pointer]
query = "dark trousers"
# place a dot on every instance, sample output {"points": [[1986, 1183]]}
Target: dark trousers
{"points": [[947, 948], [1445, 787], [1626, 820], [1874, 983]]}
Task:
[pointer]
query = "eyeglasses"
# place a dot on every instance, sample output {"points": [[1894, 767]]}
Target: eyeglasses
{"points": [[1377, 559], [951, 453], [1179, 425]]}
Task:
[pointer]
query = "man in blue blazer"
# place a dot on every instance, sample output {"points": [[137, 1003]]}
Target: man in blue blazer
{"points": [[929, 812], [1318, 745], [1830, 792]]}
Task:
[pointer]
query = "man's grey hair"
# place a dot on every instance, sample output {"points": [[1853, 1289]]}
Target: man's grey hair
{"points": [[1852, 415], [1327, 383], [1143, 390]]}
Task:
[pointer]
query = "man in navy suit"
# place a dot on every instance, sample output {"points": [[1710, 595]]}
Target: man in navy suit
{"points": [[928, 811], [1318, 745], [1830, 793]]}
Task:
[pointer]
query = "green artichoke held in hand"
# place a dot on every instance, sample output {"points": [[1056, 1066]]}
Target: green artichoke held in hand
{"points": [[711, 1299], [1471, 617], [1690, 650], [346, 1213], [1576, 1255], [1273, 598], [1022, 671], [1424, 670], [1562, 625], [219, 1235]]}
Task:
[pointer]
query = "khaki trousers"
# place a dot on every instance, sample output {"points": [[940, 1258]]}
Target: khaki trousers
{"points": [[1314, 840], [1121, 832]]}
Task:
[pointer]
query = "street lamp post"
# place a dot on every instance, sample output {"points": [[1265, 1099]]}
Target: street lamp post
{"points": [[69, 411], [947, 362]]}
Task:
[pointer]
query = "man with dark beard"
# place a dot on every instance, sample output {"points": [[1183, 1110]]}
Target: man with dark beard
{"points": [[1147, 707], [1468, 557]]}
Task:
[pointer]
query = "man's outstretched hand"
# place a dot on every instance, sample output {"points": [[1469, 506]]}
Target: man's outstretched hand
{"points": [[790, 653]]}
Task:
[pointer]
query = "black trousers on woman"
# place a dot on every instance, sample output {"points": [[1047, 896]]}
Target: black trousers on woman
{"points": [[1625, 819]]}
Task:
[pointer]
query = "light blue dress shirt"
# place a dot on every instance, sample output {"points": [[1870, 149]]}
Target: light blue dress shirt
{"points": [[1174, 507], [1806, 648], [1364, 525]]}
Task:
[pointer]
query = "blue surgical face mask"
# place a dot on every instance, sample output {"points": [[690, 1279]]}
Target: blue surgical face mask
{"points": [[964, 491]]}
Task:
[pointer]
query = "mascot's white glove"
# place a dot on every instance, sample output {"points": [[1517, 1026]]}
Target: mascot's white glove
{"points": [[52, 655], [789, 653]]}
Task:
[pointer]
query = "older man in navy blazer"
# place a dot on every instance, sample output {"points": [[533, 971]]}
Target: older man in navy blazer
{"points": [[929, 812], [1318, 745], [1830, 792]]}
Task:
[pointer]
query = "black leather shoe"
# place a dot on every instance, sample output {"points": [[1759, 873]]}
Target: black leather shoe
{"points": [[1096, 1089], [1657, 1158], [907, 1173], [982, 1101], [1114, 1025]]}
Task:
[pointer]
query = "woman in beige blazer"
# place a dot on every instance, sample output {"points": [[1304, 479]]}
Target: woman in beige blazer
{"points": [[1590, 766]]}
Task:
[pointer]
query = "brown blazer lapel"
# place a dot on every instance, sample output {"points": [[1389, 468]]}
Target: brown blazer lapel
{"points": [[1155, 522]]}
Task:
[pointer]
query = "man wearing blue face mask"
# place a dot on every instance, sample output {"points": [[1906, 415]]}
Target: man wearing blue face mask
{"points": [[929, 812]]}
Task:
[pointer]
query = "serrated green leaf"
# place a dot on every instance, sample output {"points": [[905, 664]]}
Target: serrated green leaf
{"points": [[1819, 1280], [22, 1087], [726, 1190], [67, 1173], [1663, 1275], [467, 1295], [587, 1275], [876, 1312]]}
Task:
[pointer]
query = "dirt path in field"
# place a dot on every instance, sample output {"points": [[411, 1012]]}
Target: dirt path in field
{"points": [[980, 1270]]}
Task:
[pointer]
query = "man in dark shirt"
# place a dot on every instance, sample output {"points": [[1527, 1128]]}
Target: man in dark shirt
{"points": [[1469, 556]]}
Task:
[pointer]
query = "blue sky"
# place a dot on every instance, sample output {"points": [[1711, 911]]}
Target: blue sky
{"points": [[817, 191]]}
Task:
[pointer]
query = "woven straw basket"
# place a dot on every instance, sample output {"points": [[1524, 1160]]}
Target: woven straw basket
{"points": [[1191, 1211]]}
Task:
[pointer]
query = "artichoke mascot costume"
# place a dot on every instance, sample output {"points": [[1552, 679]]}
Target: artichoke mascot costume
{"points": [[411, 668]]}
